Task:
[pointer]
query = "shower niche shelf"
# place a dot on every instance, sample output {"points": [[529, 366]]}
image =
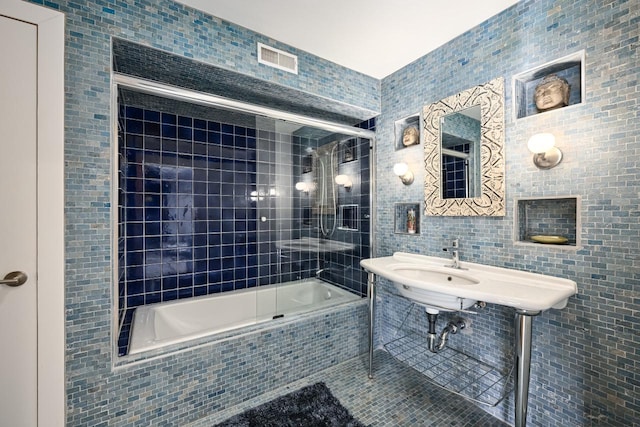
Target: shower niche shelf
{"points": [[450, 369], [348, 217], [548, 221]]}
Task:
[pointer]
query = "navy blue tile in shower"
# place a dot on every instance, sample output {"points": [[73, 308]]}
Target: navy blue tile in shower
{"points": [[169, 131], [185, 121], [151, 116], [149, 298], [152, 144], [170, 119], [190, 204], [172, 174], [134, 141], [454, 173], [134, 126], [214, 137], [185, 293], [227, 139], [214, 126], [152, 286], [151, 129], [134, 113], [169, 295], [200, 135]]}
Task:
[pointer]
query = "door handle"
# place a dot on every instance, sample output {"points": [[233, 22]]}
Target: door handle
{"points": [[15, 278]]}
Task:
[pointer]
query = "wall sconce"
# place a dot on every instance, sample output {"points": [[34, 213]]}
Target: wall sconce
{"points": [[402, 170], [546, 155], [345, 181], [303, 186]]}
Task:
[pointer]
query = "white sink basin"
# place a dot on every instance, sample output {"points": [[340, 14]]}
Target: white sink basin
{"points": [[313, 244], [433, 276], [444, 276], [427, 281]]}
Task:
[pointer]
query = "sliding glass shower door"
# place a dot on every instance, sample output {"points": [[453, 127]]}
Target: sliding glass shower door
{"points": [[212, 200]]}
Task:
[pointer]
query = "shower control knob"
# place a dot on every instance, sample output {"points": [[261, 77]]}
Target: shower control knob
{"points": [[263, 219]]}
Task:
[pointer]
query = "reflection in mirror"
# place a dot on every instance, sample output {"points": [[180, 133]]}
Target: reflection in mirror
{"points": [[460, 148], [464, 153]]}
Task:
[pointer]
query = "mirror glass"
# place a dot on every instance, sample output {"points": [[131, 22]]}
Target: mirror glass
{"points": [[464, 153], [460, 151]]}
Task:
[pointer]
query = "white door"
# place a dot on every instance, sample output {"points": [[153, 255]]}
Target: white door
{"points": [[18, 222]]}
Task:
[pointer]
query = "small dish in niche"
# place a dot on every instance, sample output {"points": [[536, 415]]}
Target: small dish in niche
{"points": [[554, 240]]}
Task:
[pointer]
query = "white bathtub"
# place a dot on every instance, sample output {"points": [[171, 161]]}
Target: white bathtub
{"points": [[157, 325]]}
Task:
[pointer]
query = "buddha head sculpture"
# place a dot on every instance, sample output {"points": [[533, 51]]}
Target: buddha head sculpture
{"points": [[410, 136], [551, 93]]}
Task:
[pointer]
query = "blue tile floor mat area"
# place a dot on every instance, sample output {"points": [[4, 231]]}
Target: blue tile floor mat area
{"points": [[396, 396]]}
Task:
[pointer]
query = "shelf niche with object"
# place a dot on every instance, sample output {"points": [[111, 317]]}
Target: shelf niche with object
{"points": [[548, 221], [568, 70], [407, 218]]}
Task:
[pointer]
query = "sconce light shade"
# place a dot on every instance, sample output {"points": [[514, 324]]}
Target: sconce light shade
{"points": [[541, 142], [344, 180], [302, 186], [546, 155], [402, 170]]}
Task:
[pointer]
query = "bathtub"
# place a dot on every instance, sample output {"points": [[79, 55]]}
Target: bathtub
{"points": [[161, 324]]}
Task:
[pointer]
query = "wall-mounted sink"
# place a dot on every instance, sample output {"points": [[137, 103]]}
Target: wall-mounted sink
{"points": [[428, 281]]}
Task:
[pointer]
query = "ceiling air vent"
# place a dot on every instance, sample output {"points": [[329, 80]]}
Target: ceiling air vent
{"points": [[276, 58]]}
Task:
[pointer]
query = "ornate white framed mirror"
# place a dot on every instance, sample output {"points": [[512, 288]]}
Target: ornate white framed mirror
{"points": [[464, 153]]}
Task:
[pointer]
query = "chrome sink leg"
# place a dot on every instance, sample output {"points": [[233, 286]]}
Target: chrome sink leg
{"points": [[371, 295], [523, 327]]}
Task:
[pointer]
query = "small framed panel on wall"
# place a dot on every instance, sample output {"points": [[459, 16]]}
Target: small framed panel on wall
{"points": [[550, 87], [407, 132]]}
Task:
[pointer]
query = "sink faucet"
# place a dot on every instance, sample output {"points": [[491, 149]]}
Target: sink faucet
{"points": [[455, 256]]}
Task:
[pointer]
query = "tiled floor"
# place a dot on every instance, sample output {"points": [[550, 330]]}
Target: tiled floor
{"points": [[397, 396]]}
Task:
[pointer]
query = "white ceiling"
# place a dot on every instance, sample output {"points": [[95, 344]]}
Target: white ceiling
{"points": [[374, 37]]}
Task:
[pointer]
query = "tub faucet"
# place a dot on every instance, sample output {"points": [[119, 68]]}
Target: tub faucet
{"points": [[319, 272], [455, 256]]}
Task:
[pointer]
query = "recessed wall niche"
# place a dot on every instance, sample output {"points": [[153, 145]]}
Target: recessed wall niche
{"points": [[407, 218], [548, 221], [571, 68], [411, 126], [348, 217]]}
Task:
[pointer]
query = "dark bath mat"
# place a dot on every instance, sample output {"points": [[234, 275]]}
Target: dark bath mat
{"points": [[311, 406]]}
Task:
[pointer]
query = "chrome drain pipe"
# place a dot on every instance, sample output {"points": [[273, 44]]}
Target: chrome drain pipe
{"points": [[437, 343]]}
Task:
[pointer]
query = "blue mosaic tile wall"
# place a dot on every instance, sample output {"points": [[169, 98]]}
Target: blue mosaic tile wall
{"points": [[585, 357], [184, 386]]}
